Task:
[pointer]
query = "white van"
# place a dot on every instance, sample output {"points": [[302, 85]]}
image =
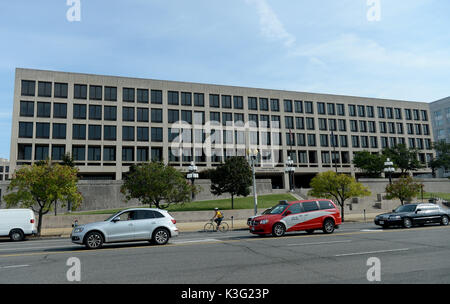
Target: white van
{"points": [[17, 223]]}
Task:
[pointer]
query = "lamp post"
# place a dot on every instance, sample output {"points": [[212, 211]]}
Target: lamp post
{"points": [[192, 175], [252, 158], [290, 171], [388, 169]]}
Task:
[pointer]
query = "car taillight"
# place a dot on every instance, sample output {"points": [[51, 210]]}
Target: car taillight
{"points": [[31, 221], [174, 221]]}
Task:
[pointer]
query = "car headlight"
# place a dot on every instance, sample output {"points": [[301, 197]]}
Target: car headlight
{"points": [[264, 222], [78, 230]]}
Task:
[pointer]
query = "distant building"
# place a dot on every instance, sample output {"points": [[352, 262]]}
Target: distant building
{"points": [[4, 169], [108, 123], [440, 111]]}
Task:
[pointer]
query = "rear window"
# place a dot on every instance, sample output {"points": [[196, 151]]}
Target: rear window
{"points": [[325, 205], [310, 206]]}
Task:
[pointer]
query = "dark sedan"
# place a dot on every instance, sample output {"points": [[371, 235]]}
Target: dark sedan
{"points": [[414, 214]]}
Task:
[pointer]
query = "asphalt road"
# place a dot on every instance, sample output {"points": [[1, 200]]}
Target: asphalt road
{"points": [[418, 255]]}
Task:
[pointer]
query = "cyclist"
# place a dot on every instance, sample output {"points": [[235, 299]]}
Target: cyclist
{"points": [[218, 217]]}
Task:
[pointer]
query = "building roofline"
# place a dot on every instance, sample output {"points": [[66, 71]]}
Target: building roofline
{"points": [[224, 86]]}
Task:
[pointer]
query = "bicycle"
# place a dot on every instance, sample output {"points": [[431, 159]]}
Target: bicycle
{"points": [[211, 227]]}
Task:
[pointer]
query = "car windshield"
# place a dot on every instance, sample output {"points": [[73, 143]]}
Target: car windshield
{"points": [[278, 209], [267, 211], [406, 208]]}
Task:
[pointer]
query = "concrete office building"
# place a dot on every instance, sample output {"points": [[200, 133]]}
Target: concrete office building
{"points": [[108, 123], [4, 169], [440, 112]]}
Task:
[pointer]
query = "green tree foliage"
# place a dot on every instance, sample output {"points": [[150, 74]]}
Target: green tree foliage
{"points": [[41, 186], [372, 165], [404, 158], [405, 189], [154, 183], [233, 177], [442, 160], [338, 187]]}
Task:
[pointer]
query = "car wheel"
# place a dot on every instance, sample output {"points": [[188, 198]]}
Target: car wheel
{"points": [[407, 223], [278, 230], [94, 240], [328, 226], [444, 220], [160, 236], [16, 235]]}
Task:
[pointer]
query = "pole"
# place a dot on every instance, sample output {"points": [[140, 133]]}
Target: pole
{"points": [[255, 196]]}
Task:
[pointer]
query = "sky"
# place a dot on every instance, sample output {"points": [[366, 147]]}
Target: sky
{"points": [[395, 49]]}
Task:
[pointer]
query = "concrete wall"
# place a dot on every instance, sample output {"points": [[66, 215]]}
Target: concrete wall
{"points": [[98, 195], [378, 186]]}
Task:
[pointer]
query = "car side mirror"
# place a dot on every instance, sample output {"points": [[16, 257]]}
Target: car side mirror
{"points": [[287, 213], [116, 219], [418, 210]]}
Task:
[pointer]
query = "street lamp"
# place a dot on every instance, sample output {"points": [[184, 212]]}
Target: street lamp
{"points": [[192, 175], [253, 157], [290, 171], [388, 169]]}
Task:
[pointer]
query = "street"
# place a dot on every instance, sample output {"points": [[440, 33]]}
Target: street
{"points": [[417, 255]]}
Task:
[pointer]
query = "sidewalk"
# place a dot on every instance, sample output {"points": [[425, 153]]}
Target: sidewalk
{"points": [[198, 226]]}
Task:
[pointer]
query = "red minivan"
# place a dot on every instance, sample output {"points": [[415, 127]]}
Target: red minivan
{"points": [[308, 215]]}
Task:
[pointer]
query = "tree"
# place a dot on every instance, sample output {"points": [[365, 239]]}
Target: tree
{"points": [[41, 186], [233, 177], [370, 164], [442, 159], [405, 189], [154, 183], [67, 160], [404, 158], [339, 187]]}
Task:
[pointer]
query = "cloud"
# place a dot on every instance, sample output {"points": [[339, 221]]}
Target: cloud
{"points": [[271, 26], [350, 47]]}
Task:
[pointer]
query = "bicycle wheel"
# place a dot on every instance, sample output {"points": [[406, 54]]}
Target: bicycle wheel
{"points": [[224, 227], [209, 227]]}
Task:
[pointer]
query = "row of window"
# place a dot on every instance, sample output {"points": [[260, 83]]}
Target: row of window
{"points": [[142, 115], [217, 101], [130, 154], [155, 134], [94, 132]]}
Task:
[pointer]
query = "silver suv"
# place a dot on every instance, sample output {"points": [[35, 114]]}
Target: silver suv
{"points": [[139, 224]]}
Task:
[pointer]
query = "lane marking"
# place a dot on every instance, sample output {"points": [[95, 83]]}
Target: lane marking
{"points": [[372, 230], [371, 252], [194, 241], [13, 266], [320, 243], [32, 248]]}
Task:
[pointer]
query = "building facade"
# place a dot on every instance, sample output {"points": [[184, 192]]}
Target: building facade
{"points": [[440, 112], [4, 169], [108, 123]]}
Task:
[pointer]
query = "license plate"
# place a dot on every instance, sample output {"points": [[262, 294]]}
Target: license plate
{"points": [[381, 222]]}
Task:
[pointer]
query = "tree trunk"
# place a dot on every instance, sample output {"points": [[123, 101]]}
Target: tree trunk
{"points": [[232, 201], [342, 211], [39, 222]]}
